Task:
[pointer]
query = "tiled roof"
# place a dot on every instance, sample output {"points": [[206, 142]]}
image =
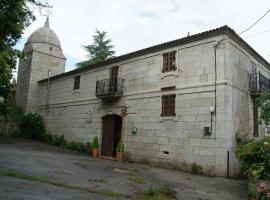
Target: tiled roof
{"points": [[196, 37]]}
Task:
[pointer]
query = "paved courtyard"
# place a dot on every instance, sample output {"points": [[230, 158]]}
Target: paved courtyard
{"points": [[77, 174]]}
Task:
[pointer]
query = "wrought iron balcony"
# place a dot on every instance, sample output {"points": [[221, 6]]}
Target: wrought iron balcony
{"points": [[109, 88], [258, 83]]}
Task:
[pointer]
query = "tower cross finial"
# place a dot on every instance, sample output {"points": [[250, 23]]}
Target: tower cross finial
{"points": [[47, 23]]}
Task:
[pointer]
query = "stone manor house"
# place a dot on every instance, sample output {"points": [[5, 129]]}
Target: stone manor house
{"points": [[184, 100]]}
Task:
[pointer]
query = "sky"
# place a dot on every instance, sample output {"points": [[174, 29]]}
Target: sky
{"points": [[137, 24]]}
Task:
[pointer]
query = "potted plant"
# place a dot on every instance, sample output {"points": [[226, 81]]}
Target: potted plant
{"points": [[119, 151], [95, 147]]}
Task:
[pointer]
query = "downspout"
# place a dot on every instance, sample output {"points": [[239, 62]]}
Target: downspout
{"points": [[215, 82], [48, 91]]}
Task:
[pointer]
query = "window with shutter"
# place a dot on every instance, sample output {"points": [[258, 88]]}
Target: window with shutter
{"points": [[168, 105], [169, 63], [77, 81]]}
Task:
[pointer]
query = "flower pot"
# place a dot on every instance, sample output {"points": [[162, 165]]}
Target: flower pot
{"points": [[95, 152], [119, 156]]}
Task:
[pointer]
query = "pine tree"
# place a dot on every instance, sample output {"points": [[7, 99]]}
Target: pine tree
{"points": [[99, 51]]}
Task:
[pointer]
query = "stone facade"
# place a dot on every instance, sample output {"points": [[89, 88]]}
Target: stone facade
{"points": [[198, 84]]}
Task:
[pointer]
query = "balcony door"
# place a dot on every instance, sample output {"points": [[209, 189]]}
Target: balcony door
{"points": [[113, 79]]}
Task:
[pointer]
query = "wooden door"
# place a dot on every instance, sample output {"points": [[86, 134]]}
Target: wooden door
{"points": [[107, 136]]}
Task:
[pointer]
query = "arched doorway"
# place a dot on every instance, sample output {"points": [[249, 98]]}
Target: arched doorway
{"points": [[111, 134]]}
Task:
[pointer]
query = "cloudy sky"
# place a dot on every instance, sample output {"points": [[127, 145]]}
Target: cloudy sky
{"points": [[136, 24]]}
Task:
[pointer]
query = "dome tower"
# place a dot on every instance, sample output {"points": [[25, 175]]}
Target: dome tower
{"points": [[43, 55]]}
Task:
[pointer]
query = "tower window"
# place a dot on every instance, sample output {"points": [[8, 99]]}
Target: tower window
{"points": [[168, 105], [77, 81], [169, 61], [50, 48]]}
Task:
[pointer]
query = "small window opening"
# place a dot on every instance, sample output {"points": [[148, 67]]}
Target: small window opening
{"points": [[77, 81]]}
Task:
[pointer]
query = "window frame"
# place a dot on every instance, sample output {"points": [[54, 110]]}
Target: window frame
{"points": [[169, 61], [77, 82], [168, 106]]}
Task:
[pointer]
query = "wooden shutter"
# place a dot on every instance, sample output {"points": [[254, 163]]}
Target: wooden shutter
{"points": [[77, 80], [169, 61], [168, 105]]}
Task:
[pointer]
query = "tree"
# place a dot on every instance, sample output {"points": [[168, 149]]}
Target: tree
{"points": [[99, 51], [15, 16], [264, 103]]}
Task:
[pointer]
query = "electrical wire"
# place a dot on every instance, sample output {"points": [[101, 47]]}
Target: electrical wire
{"points": [[258, 33], [254, 23]]}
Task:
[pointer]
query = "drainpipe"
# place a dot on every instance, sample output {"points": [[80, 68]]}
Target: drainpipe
{"points": [[48, 91], [215, 82], [215, 50]]}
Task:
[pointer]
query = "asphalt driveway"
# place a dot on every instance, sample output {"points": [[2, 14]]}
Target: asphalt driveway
{"points": [[105, 179]]}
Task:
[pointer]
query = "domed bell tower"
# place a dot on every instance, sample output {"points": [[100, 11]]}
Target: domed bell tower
{"points": [[43, 56]]}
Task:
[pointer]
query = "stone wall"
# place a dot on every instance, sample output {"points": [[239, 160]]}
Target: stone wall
{"points": [[41, 58], [173, 141]]}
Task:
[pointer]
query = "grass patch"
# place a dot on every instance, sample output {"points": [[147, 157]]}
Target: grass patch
{"points": [[137, 179], [152, 193], [102, 180], [10, 173]]}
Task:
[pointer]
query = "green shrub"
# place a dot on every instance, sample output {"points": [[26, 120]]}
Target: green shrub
{"points": [[88, 147], [59, 140], [195, 169], [255, 158], [95, 143], [77, 146], [120, 147], [47, 138], [31, 126], [258, 190]]}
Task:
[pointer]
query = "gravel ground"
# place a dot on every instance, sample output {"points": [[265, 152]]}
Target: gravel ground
{"points": [[70, 168]]}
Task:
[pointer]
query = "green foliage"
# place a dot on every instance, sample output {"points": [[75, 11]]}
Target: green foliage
{"points": [[241, 137], [77, 146], [252, 192], [136, 179], [195, 169], [15, 15], [95, 143], [258, 190], [120, 147], [44, 180], [152, 193], [31, 126], [99, 51], [255, 158], [264, 103]]}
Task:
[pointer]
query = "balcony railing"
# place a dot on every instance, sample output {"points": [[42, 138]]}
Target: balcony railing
{"points": [[258, 83], [109, 88]]}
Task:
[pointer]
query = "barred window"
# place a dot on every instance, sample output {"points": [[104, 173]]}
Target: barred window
{"points": [[77, 81], [169, 61], [168, 105]]}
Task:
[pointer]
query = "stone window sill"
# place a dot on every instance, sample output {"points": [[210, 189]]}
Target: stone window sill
{"points": [[170, 73], [172, 118], [76, 91]]}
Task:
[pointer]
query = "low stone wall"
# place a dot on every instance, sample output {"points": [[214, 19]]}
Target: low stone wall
{"points": [[7, 126]]}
